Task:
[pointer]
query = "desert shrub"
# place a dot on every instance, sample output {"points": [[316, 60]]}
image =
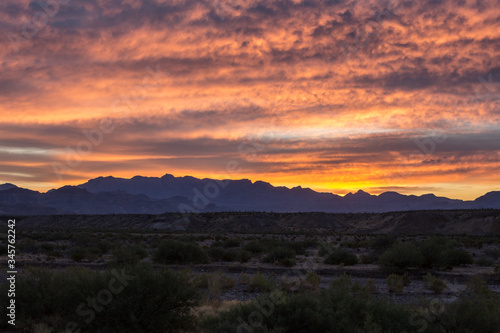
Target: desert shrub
{"points": [[133, 300], [312, 280], [435, 284], [244, 256], [244, 279], [229, 255], [324, 249], [231, 242], [395, 283], [78, 253], [383, 242], [261, 283], [221, 254], [288, 283], [282, 255], [28, 246], [456, 257], [175, 252], [371, 286], [217, 244], [432, 250], [217, 282], [200, 281], [47, 247], [129, 255], [400, 257], [369, 258], [345, 307], [477, 310], [438, 251], [339, 256], [297, 247], [254, 247]]}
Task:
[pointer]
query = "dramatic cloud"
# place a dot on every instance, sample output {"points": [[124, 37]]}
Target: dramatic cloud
{"points": [[335, 95]]}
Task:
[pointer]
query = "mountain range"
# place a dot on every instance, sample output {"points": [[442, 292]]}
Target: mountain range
{"points": [[153, 195]]}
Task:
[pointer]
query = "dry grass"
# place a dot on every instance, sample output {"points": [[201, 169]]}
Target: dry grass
{"points": [[212, 308]]}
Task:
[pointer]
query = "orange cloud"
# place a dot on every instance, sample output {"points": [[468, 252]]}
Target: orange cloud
{"points": [[336, 96]]}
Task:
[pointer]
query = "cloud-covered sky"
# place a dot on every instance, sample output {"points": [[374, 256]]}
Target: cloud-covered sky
{"points": [[334, 95]]}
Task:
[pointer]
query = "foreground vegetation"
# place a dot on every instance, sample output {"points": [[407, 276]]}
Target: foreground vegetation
{"points": [[118, 281], [142, 299]]}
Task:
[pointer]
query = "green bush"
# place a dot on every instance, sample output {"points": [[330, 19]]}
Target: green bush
{"points": [[456, 257], [383, 242], [244, 279], [129, 255], [371, 286], [231, 242], [175, 252], [128, 300], [477, 310], [345, 307], [369, 258], [229, 255], [297, 247], [432, 250], [282, 255], [200, 281], [339, 256], [442, 252], [324, 249], [395, 283], [312, 280], [254, 247], [435, 284], [401, 257], [244, 256], [260, 282], [78, 254], [221, 254], [215, 283]]}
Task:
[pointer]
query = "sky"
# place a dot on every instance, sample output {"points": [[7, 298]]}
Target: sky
{"points": [[333, 95]]}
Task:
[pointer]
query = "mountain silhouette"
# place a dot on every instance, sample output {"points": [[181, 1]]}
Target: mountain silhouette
{"points": [[156, 195]]}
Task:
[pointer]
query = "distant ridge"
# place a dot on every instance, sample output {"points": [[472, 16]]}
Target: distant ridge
{"points": [[156, 195], [7, 186]]}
